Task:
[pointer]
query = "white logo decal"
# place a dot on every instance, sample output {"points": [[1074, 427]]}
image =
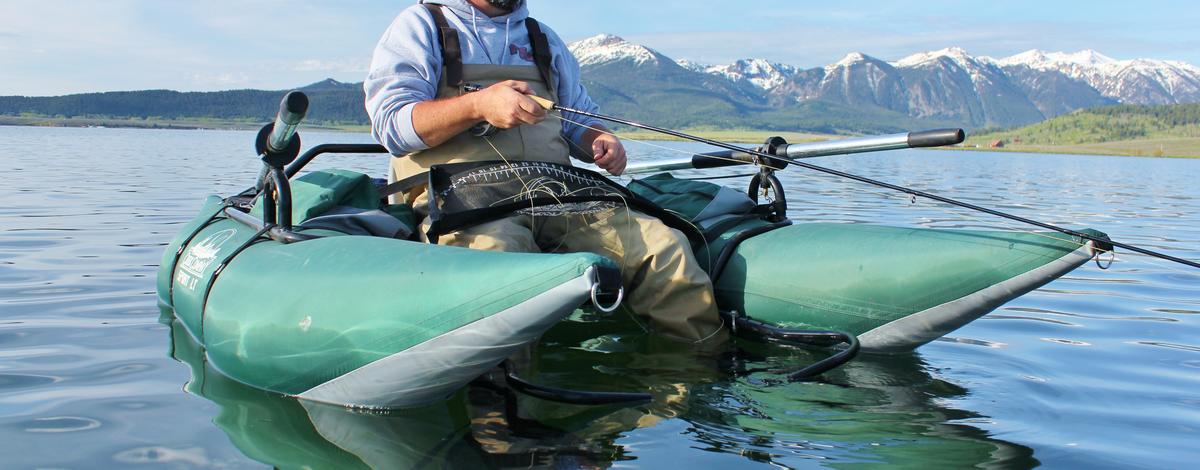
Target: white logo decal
{"points": [[199, 257]]}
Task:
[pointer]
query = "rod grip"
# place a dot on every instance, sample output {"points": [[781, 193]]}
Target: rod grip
{"points": [[936, 137], [544, 103]]}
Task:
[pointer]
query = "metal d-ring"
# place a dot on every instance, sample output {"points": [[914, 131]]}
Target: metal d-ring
{"points": [[612, 308], [1112, 256]]}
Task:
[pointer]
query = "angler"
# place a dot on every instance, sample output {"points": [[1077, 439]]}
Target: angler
{"points": [[422, 103]]}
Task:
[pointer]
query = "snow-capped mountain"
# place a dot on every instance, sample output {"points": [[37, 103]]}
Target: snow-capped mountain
{"points": [[1137, 81], [948, 85], [693, 66], [952, 84], [607, 48], [856, 80], [762, 73]]}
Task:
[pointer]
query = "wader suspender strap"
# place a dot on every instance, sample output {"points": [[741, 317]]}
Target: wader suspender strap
{"points": [[402, 186], [541, 53], [452, 60], [451, 49]]}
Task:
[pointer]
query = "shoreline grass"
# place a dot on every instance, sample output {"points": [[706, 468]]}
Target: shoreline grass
{"points": [[1167, 147]]}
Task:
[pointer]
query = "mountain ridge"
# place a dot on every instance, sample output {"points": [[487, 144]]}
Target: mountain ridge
{"points": [[858, 93]]}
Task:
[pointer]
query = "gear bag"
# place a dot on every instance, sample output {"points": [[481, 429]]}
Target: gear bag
{"points": [[467, 194]]}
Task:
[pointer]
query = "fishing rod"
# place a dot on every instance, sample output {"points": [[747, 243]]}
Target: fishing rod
{"points": [[917, 139]]}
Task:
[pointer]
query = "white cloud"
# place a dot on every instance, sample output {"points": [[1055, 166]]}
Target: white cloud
{"points": [[342, 65], [223, 80]]}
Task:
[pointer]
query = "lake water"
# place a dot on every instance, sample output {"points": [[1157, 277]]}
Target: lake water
{"points": [[1099, 369]]}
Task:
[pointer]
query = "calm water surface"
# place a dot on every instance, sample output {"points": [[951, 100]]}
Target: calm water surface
{"points": [[1100, 368]]}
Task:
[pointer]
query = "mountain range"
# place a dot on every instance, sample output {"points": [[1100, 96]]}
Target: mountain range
{"points": [[857, 94], [946, 86]]}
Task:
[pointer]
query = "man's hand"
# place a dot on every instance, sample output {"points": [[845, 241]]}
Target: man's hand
{"points": [[609, 153], [505, 105]]}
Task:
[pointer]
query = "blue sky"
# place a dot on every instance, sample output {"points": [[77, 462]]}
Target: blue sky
{"points": [[52, 47]]}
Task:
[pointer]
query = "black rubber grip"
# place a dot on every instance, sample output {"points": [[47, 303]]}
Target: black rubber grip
{"points": [[720, 159], [936, 137], [293, 108]]}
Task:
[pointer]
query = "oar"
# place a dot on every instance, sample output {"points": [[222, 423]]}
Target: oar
{"points": [[1101, 243], [931, 138]]}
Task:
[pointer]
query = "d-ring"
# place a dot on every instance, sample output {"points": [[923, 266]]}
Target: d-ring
{"points": [[611, 308], [1112, 256]]}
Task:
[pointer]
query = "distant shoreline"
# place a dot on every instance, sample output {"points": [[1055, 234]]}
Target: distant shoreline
{"points": [[1154, 148], [1178, 147], [174, 124]]}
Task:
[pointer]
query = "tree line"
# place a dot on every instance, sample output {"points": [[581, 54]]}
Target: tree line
{"points": [[1109, 123], [341, 106]]}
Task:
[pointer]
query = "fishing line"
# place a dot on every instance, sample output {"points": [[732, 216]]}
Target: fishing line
{"points": [[605, 131], [862, 179], [948, 210], [1153, 257], [663, 147], [1103, 264], [528, 191]]}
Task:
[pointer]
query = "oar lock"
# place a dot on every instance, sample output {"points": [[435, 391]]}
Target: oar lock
{"points": [[765, 182]]}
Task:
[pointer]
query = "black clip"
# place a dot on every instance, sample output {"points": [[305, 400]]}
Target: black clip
{"points": [[483, 129]]}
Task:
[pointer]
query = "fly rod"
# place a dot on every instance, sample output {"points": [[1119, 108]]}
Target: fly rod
{"points": [[917, 139]]}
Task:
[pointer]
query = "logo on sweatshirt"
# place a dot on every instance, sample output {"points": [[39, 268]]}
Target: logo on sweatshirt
{"points": [[523, 52]]}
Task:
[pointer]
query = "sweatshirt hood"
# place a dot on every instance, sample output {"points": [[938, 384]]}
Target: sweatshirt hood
{"points": [[466, 11]]}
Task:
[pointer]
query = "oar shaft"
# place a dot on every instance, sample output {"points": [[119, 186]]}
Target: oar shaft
{"points": [[933, 138], [919, 138]]}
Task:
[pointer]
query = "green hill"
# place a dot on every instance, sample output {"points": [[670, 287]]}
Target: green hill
{"points": [[332, 103], [1168, 130]]}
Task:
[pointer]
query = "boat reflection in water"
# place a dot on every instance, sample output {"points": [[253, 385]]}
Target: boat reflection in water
{"points": [[883, 409]]}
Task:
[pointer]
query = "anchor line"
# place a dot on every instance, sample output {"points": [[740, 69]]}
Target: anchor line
{"points": [[1100, 242]]}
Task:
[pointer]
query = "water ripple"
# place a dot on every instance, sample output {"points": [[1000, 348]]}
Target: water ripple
{"points": [[1067, 341], [61, 424], [1162, 344], [973, 342], [1018, 317], [194, 456]]}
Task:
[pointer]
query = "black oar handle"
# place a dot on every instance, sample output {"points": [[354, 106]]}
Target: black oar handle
{"points": [[292, 109], [936, 138], [277, 143]]}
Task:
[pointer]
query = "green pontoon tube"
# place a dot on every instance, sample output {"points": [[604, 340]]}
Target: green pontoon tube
{"points": [[316, 288]]}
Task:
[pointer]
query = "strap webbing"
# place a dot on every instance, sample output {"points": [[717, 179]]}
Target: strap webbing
{"points": [[404, 185], [541, 53], [451, 49], [212, 280]]}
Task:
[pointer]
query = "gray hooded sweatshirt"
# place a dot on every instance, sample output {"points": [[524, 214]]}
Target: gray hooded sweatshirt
{"points": [[407, 66]]}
